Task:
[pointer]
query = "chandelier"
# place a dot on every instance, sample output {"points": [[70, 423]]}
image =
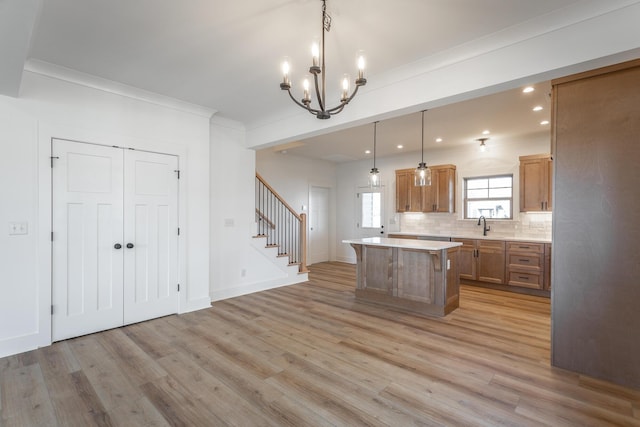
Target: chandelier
{"points": [[318, 70]]}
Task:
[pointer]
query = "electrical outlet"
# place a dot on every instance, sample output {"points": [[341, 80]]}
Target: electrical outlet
{"points": [[18, 228]]}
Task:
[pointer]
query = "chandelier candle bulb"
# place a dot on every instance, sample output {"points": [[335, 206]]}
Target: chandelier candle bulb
{"points": [[305, 86], [315, 54], [361, 65], [345, 88], [285, 73]]}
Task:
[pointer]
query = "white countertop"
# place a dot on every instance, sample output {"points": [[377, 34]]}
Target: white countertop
{"points": [[427, 245], [474, 236]]}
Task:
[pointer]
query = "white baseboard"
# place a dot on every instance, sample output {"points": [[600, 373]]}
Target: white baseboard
{"points": [[257, 287], [348, 260], [16, 345]]}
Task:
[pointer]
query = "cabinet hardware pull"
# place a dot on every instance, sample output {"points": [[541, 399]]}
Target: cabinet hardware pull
{"points": [[129, 245], [523, 278], [524, 247], [541, 205], [117, 246], [524, 260]]}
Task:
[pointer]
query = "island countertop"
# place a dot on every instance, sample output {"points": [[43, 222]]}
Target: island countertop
{"points": [[427, 245]]}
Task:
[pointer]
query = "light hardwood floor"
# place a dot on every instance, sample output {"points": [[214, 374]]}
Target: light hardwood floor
{"points": [[309, 354]]}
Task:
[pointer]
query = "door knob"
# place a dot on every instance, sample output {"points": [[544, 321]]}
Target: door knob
{"points": [[129, 245], [117, 246]]}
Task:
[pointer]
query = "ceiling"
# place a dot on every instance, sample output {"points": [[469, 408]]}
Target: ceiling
{"points": [[224, 56]]}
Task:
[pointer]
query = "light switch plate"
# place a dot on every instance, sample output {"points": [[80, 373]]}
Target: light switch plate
{"points": [[18, 228]]}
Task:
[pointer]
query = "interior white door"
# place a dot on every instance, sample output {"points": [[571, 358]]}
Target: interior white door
{"points": [[318, 225], [87, 248], [115, 237], [151, 236]]}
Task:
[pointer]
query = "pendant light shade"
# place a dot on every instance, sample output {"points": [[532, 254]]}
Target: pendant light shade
{"points": [[422, 176], [374, 174]]}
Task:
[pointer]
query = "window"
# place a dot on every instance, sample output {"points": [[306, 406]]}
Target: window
{"points": [[371, 209], [489, 196]]}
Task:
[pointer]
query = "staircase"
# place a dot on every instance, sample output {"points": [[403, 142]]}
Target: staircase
{"points": [[280, 230]]}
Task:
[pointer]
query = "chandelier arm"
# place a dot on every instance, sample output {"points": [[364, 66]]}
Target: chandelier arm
{"points": [[339, 108], [311, 110]]}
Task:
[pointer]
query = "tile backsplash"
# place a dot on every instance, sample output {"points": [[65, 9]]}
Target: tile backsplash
{"points": [[528, 225]]}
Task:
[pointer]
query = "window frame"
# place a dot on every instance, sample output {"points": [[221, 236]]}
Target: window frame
{"points": [[465, 199]]}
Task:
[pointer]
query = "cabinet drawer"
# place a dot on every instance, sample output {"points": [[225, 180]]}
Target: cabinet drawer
{"points": [[526, 261], [491, 245], [525, 247], [525, 279]]}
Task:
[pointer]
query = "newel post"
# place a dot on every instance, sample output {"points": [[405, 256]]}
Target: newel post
{"points": [[303, 243]]}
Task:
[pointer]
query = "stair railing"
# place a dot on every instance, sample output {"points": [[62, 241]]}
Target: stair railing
{"points": [[281, 225]]}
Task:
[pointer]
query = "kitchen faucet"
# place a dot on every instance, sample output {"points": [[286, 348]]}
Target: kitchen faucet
{"points": [[485, 228]]}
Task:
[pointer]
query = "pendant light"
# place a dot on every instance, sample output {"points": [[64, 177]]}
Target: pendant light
{"points": [[374, 174], [422, 177], [483, 146]]}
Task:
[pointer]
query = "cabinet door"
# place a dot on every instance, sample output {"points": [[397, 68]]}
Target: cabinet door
{"points": [[547, 266], [445, 189], [491, 261], [467, 259], [402, 192], [535, 183], [408, 196]]}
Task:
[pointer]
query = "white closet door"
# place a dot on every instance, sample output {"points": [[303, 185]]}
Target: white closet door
{"points": [[151, 236], [88, 225]]}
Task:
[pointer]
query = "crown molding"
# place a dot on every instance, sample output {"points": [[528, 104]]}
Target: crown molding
{"points": [[58, 72]]}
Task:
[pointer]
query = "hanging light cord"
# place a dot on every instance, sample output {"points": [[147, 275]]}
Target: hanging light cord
{"points": [[422, 158], [375, 127]]}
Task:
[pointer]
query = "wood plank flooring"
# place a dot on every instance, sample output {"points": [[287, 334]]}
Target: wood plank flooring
{"points": [[309, 354]]}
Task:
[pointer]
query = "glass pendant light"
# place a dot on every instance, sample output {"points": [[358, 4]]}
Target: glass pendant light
{"points": [[374, 174], [422, 177]]}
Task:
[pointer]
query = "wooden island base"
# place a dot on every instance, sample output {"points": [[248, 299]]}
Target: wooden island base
{"points": [[420, 276]]}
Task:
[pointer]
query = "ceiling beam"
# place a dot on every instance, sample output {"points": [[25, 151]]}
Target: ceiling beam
{"points": [[18, 20]]}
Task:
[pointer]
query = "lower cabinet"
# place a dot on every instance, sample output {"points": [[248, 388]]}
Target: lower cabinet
{"points": [[525, 264], [515, 264], [482, 260]]}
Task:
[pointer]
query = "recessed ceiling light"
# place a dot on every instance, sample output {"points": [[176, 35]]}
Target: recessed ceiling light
{"points": [[485, 132], [528, 89], [367, 151], [537, 108], [401, 146], [438, 139], [544, 122]]}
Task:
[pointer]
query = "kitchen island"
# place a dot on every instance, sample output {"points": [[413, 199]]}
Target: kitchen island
{"points": [[416, 275]]}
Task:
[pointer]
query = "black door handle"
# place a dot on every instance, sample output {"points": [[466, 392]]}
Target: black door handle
{"points": [[129, 245], [117, 246]]}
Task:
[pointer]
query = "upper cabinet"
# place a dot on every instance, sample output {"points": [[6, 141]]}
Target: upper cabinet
{"points": [[408, 196], [440, 196], [535, 183]]}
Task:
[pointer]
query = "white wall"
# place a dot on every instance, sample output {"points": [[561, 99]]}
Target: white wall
{"points": [[237, 267], [292, 177], [51, 107], [500, 158]]}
